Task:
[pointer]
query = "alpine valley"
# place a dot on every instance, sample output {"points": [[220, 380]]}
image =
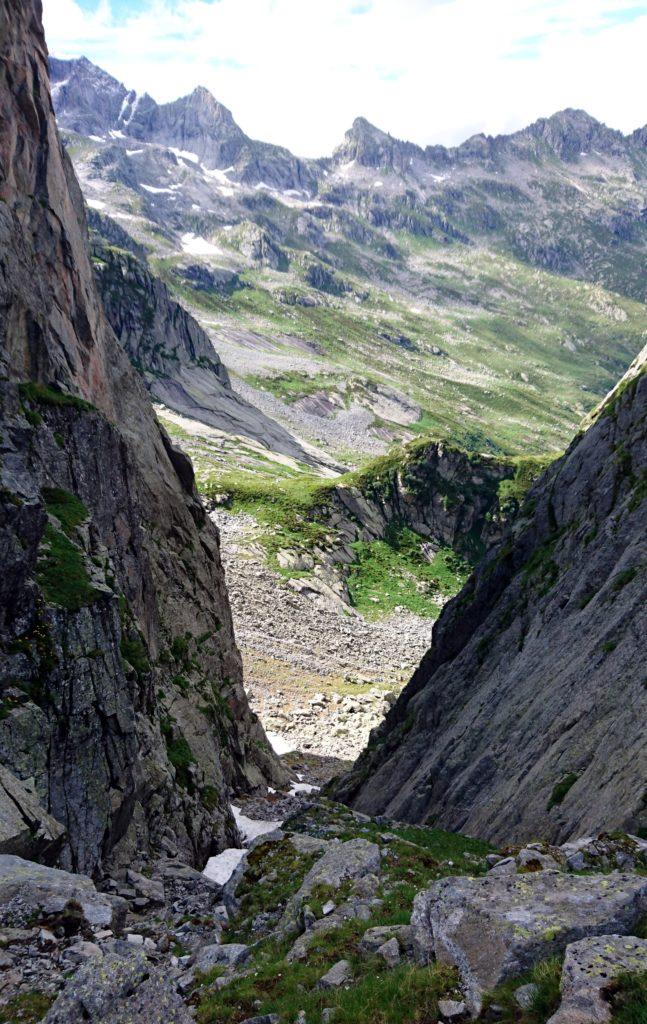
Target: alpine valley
{"points": [[324, 558]]}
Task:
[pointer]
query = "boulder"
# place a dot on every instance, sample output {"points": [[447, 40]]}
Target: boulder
{"points": [[390, 952], [374, 938], [227, 954], [339, 974], [530, 859], [118, 990], [29, 890], [451, 1008], [494, 928], [341, 862], [26, 829], [590, 966]]}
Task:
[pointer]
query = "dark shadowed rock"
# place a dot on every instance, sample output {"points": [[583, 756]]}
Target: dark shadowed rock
{"points": [[26, 829]]}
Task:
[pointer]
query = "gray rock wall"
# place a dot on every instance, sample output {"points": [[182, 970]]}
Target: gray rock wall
{"points": [[526, 718], [121, 683]]}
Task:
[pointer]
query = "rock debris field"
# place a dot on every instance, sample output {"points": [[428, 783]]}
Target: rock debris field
{"points": [[319, 678]]}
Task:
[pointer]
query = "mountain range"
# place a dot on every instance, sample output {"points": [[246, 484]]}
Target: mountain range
{"points": [[387, 290]]}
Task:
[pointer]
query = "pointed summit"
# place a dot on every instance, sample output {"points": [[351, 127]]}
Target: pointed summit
{"points": [[372, 147]]}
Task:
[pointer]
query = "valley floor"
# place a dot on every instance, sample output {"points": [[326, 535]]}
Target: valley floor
{"points": [[319, 675]]}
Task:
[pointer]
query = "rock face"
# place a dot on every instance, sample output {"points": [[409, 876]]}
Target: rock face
{"points": [[492, 928], [121, 682], [440, 492], [513, 718], [174, 355], [590, 967], [26, 829]]}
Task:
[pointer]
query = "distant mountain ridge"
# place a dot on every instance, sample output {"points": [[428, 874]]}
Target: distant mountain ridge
{"points": [[91, 102]]}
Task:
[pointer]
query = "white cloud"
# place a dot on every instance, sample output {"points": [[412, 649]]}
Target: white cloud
{"points": [[297, 72]]}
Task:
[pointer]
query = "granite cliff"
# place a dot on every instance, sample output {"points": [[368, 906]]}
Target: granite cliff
{"points": [[526, 718], [122, 700]]}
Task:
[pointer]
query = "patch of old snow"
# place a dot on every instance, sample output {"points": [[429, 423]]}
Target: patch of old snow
{"points": [[280, 745], [59, 85], [185, 154], [128, 119], [116, 134], [378, 184], [219, 174], [195, 245], [95, 138], [302, 787], [250, 828], [157, 191], [440, 177], [221, 867], [134, 152], [96, 204]]}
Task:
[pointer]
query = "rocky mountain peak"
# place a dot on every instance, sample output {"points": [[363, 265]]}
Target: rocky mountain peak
{"points": [[571, 133], [87, 99], [371, 147]]}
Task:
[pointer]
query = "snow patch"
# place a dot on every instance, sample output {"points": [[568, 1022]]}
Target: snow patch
{"points": [[134, 152], [116, 134], [95, 138], [280, 745], [378, 184], [302, 787], [158, 191], [250, 828], [195, 245], [185, 154], [221, 867], [96, 204], [58, 86]]}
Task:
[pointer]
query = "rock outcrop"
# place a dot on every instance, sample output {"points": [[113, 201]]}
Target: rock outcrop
{"points": [[590, 969], [442, 493], [26, 829], [532, 696], [494, 928], [121, 682]]}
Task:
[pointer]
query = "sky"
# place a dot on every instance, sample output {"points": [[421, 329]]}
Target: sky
{"points": [[297, 72]]}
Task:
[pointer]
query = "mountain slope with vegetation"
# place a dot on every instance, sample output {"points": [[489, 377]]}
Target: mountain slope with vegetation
{"points": [[489, 294]]}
